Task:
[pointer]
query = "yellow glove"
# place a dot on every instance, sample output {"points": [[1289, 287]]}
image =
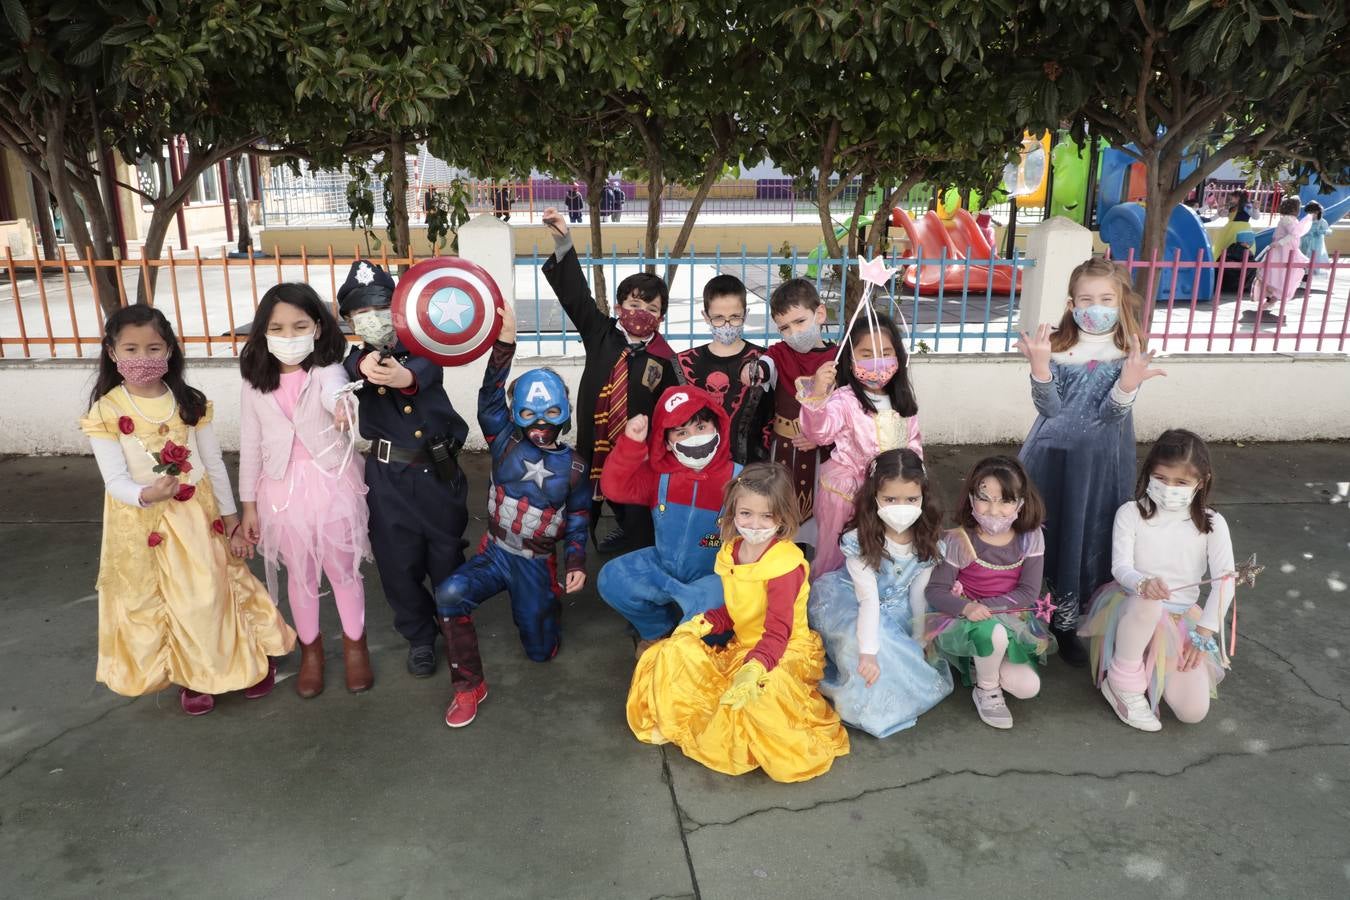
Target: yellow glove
{"points": [[747, 684], [698, 626]]}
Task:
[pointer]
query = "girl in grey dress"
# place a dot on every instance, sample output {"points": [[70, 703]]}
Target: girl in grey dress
{"points": [[1085, 376]]}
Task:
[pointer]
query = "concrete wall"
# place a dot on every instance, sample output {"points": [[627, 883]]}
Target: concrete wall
{"points": [[962, 399]]}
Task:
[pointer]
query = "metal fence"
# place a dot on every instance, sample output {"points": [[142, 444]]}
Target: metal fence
{"points": [[52, 309]]}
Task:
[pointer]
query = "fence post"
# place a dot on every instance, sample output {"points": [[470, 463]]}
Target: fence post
{"points": [[1056, 245], [486, 240]]}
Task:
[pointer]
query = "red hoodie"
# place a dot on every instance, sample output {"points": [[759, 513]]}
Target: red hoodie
{"points": [[632, 472]]}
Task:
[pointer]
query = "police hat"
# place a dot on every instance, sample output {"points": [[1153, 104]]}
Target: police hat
{"points": [[367, 285]]}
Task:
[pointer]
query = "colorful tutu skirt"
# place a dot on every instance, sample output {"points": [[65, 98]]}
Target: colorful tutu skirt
{"points": [[1164, 650], [311, 518], [957, 640], [789, 730], [908, 686]]}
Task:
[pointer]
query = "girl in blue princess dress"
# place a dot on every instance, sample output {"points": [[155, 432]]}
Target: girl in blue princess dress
{"points": [[868, 612]]}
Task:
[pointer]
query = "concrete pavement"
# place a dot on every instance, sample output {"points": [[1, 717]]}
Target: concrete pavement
{"points": [[549, 795]]}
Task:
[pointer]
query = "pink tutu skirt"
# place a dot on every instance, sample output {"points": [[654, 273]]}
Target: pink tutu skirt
{"points": [[310, 518]]}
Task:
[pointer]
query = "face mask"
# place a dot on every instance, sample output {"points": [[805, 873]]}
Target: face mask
{"points": [[291, 351], [727, 334], [1096, 319], [899, 516], [696, 452], [639, 323], [1171, 497], [375, 327], [143, 369], [993, 525], [804, 340], [875, 373], [542, 435], [757, 535]]}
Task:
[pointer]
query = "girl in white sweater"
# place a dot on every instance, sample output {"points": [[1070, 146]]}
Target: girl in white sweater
{"points": [[1150, 636]]}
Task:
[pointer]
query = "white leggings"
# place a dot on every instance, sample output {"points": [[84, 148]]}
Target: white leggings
{"points": [[993, 671]]}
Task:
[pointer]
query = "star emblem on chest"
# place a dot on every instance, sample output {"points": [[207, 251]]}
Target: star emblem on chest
{"points": [[537, 472]]}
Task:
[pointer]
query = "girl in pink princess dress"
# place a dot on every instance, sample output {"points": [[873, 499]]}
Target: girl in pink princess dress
{"points": [[1280, 274], [302, 490], [872, 410]]}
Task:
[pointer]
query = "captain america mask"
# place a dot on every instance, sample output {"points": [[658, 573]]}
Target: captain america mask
{"points": [[539, 399]]}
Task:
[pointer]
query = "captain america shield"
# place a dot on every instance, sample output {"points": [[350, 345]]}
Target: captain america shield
{"points": [[445, 310]]}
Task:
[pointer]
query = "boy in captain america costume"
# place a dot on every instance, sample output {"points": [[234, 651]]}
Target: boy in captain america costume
{"points": [[539, 492], [680, 472]]}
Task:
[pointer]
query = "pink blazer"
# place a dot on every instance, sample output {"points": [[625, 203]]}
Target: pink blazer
{"points": [[266, 433]]}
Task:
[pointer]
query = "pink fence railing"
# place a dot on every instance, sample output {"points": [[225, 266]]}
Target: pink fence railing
{"points": [[1246, 305]]}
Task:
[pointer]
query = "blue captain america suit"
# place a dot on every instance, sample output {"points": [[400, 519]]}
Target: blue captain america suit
{"points": [[537, 497]]}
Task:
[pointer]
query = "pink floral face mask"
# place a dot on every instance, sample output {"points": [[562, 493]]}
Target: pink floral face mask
{"points": [[875, 374], [143, 369]]}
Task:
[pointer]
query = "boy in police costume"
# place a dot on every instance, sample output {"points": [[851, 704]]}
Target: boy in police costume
{"points": [[416, 488]]}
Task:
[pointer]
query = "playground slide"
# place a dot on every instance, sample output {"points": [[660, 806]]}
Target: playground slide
{"points": [[970, 238], [930, 240], [1071, 173], [1123, 229]]}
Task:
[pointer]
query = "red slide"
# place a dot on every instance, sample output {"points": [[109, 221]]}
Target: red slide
{"points": [[931, 240]]}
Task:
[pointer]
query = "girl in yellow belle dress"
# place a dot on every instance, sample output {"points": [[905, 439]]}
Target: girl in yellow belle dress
{"points": [[750, 699], [174, 606]]}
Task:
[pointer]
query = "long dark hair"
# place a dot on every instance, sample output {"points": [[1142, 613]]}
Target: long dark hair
{"points": [[1178, 447], [1013, 482], [901, 464], [898, 388], [259, 367], [191, 402]]}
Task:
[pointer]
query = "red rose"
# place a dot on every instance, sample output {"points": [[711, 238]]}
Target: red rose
{"points": [[218, 526], [185, 492], [155, 539], [173, 454], [126, 425], [184, 467]]}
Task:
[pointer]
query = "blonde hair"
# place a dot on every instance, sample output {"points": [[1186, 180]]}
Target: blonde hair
{"points": [[1127, 325], [769, 480]]}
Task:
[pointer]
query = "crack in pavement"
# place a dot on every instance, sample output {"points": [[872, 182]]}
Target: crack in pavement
{"points": [[1293, 670], [948, 773], [679, 822], [31, 752]]}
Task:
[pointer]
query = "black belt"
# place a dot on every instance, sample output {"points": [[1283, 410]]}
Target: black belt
{"points": [[386, 452]]}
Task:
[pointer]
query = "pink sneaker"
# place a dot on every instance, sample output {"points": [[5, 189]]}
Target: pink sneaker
{"points": [[464, 706], [195, 703], [264, 687]]}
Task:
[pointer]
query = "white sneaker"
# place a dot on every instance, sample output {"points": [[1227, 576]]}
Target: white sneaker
{"points": [[1131, 708], [992, 708]]}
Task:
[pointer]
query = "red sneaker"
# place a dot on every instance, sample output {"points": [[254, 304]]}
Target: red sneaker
{"points": [[464, 706], [264, 687], [194, 703]]}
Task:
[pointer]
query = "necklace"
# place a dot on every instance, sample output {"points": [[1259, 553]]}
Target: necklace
{"points": [[162, 423]]}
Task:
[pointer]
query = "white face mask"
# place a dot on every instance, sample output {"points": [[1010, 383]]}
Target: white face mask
{"points": [[696, 452], [375, 327], [757, 535], [291, 351], [899, 516], [1171, 497]]}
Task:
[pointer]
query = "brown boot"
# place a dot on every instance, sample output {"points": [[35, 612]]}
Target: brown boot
{"points": [[309, 683], [356, 659]]}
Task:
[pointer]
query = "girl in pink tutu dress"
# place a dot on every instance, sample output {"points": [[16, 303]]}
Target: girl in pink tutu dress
{"points": [[301, 487], [872, 410]]}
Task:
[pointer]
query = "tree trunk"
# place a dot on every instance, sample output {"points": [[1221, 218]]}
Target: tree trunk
{"points": [[705, 186], [397, 212], [595, 186], [42, 218], [160, 220], [236, 182], [77, 230]]}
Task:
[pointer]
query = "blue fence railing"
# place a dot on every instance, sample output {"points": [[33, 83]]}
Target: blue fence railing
{"points": [[943, 305]]}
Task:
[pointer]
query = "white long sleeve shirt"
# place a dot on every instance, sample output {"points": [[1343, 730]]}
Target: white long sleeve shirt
{"points": [[1169, 546], [112, 465], [869, 600]]}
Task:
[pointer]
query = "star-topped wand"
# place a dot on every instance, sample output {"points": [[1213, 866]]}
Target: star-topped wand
{"points": [[1243, 574], [874, 274]]}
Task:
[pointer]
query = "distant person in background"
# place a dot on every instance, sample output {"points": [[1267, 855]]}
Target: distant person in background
{"points": [[1314, 243], [986, 223], [1283, 266], [574, 202], [502, 198], [1240, 207], [1236, 277], [617, 199]]}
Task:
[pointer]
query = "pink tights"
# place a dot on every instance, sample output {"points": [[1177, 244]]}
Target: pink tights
{"points": [[993, 671], [1186, 693], [348, 592]]}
